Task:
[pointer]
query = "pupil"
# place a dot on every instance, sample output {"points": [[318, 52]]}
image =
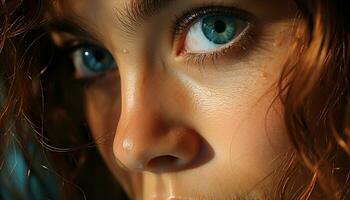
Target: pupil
{"points": [[219, 26], [99, 55]]}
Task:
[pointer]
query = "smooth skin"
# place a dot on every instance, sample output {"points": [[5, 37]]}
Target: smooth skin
{"points": [[170, 127]]}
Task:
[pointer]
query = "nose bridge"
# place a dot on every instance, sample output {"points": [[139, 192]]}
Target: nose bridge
{"points": [[135, 90], [140, 121], [139, 104]]}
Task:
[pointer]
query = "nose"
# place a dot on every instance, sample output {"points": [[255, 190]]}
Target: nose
{"points": [[149, 136]]}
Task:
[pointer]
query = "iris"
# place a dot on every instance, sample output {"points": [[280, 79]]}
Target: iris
{"points": [[219, 29], [97, 59]]}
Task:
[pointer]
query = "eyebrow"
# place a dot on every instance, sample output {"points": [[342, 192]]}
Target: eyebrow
{"points": [[138, 11], [71, 27]]}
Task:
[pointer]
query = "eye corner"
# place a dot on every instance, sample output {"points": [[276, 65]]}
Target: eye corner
{"points": [[179, 49]]}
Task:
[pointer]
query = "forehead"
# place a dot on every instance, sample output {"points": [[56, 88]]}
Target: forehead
{"points": [[91, 9]]}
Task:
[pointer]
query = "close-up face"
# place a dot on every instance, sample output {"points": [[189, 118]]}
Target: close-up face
{"points": [[181, 96]]}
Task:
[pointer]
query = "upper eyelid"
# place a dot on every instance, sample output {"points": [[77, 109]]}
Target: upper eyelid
{"points": [[70, 47], [76, 33], [73, 44]]}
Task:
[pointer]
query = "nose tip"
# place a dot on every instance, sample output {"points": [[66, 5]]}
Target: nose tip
{"points": [[171, 151]]}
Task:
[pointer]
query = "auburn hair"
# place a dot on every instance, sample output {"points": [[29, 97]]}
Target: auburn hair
{"points": [[314, 88]]}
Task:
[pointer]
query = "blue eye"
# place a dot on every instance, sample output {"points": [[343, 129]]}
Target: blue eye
{"points": [[219, 29], [90, 61], [211, 33], [97, 60]]}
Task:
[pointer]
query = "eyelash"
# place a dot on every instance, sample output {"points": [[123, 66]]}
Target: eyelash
{"points": [[183, 23]]}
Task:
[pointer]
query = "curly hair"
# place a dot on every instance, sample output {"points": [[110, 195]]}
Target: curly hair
{"points": [[314, 88]]}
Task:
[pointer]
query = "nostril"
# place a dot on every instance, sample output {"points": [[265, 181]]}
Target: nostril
{"points": [[162, 163]]}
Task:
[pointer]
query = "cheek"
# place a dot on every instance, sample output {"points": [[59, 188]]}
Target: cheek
{"points": [[102, 112], [246, 122], [244, 128], [251, 139]]}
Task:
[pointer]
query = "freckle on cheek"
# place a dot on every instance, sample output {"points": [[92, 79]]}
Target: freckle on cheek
{"points": [[264, 72], [279, 40], [125, 51]]}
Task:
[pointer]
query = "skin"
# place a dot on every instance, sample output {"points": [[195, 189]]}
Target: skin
{"points": [[171, 128]]}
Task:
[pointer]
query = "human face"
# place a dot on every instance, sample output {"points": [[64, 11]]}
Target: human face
{"points": [[189, 109]]}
